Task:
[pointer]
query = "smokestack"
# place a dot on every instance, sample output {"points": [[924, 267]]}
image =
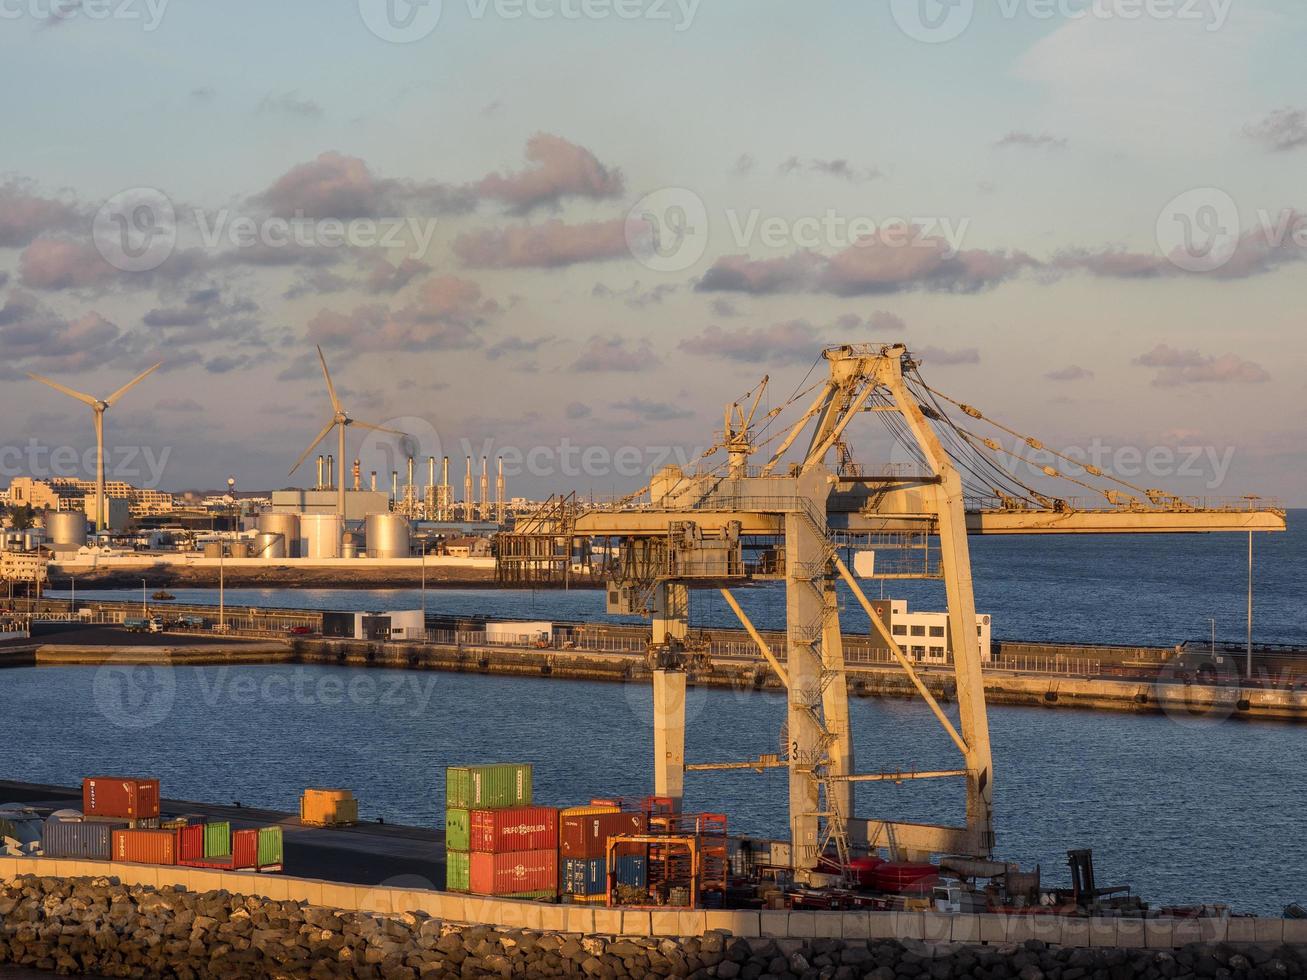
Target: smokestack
{"points": [[331, 472], [394, 485], [446, 495], [374, 481], [321, 462], [410, 471], [484, 511], [431, 471], [499, 492], [358, 472], [467, 492]]}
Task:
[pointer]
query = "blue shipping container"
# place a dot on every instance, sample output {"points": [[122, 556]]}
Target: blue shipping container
{"points": [[590, 877], [88, 841]]}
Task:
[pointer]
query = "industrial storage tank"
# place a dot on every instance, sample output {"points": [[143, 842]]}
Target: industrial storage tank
{"points": [[213, 549], [350, 549], [269, 544], [320, 535], [65, 528], [388, 536], [288, 526], [239, 549]]}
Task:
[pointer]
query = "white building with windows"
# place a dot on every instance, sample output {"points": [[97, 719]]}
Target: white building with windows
{"points": [[924, 635]]}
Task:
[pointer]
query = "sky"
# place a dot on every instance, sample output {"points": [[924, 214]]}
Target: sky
{"points": [[568, 232]]}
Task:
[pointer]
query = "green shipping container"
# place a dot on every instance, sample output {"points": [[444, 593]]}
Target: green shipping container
{"points": [[458, 871], [487, 787], [217, 840], [458, 835], [269, 846]]}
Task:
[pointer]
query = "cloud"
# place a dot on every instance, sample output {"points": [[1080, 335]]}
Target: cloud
{"points": [[890, 325], [61, 263], [24, 214], [1036, 141], [316, 282], [290, 104], [744, 165], [177, 404], [1282, 130], [549, 245], [840, 169], [651, 410], [577, 410], [515, 345], [383, 277], [562, 169], [880, 264], [633, 296], [793, 342], [445, 314], [1072, 372], [614, 353], [31, 333], [1181, 367], [942, 356], [335, 185], [724, 307]]}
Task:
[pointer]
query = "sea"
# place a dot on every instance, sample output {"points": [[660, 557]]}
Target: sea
{"points": [[1182, 809]]}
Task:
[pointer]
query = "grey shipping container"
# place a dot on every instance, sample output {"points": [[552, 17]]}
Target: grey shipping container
{"points": [[90, 841]]}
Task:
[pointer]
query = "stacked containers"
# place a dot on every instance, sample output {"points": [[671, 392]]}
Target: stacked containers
{"points": [[497, 843], [111, 797], [583, 848]]}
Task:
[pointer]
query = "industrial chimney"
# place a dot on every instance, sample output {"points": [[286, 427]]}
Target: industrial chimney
{"points": [[484, 512], [394, 486], [331, 472], [358, 472], [499, 492], [467, 492], [321, 462], [374, 481]]}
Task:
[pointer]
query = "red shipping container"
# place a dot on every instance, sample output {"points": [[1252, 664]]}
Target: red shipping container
{"points": [[145, 846], [513, 872], [517, 828], [126, 799], [587, 836], [190, 842]]}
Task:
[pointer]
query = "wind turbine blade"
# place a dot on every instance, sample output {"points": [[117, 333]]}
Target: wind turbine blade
{"points": [[313, 445], [331, 389], [376, 428], [86, 399], [131, 384]]}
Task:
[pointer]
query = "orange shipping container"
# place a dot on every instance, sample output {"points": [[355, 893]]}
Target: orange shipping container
{"points": [[126, 799], [328, 808], [145, 846], [587, 836], [513, 872]]}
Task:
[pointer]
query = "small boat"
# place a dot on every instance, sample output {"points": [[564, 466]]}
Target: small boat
{"points": [[163, 596]]}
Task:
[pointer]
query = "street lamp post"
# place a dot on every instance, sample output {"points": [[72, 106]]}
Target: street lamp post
{"points": [[145, 613], [1252, 502]]}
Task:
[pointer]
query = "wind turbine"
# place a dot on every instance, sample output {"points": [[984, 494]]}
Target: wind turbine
{"points": [[339, 418], [98, 406]]}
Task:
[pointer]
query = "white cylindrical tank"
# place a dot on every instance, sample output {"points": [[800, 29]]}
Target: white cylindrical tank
{"points": [[269, 544], [320, 535], [213, 549], [387, 536], [65, 527], [288, 526], [350, 549]]}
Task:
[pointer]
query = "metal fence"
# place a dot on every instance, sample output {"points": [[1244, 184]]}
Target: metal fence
{"points": [[1077, 666]]}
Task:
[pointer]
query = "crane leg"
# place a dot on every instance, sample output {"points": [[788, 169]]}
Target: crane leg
{"points": [[671, 622]]}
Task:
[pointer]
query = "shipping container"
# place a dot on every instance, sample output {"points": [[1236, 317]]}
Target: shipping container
{"points": [[513, 872], [270, 849], [589, 876], [109, 796], [458, 832], [457, 871], [244, 854], [585, 811], [587, 836], [518, 828], [217, 839], [328, 808], [190, 843], [474, 787], [91, 841], [145, 846]]}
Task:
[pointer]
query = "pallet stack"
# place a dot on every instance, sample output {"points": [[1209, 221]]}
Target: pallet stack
{"points": [[496, 842]]}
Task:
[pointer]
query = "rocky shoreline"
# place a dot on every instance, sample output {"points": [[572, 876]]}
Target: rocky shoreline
{"points": [[99, 926]]}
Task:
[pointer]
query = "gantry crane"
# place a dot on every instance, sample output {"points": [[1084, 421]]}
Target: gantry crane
{"points": [[792, 519]]}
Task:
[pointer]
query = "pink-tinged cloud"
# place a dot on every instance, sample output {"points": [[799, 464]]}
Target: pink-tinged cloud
{"points": [[548, 245], [793, 342], [24, 215], [445, 313], [60, 263], [1072, 372], [335, 185], [614, 353], [883, 263], [936, 356], [1181, 367], [33, 335], [561, 169]]}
